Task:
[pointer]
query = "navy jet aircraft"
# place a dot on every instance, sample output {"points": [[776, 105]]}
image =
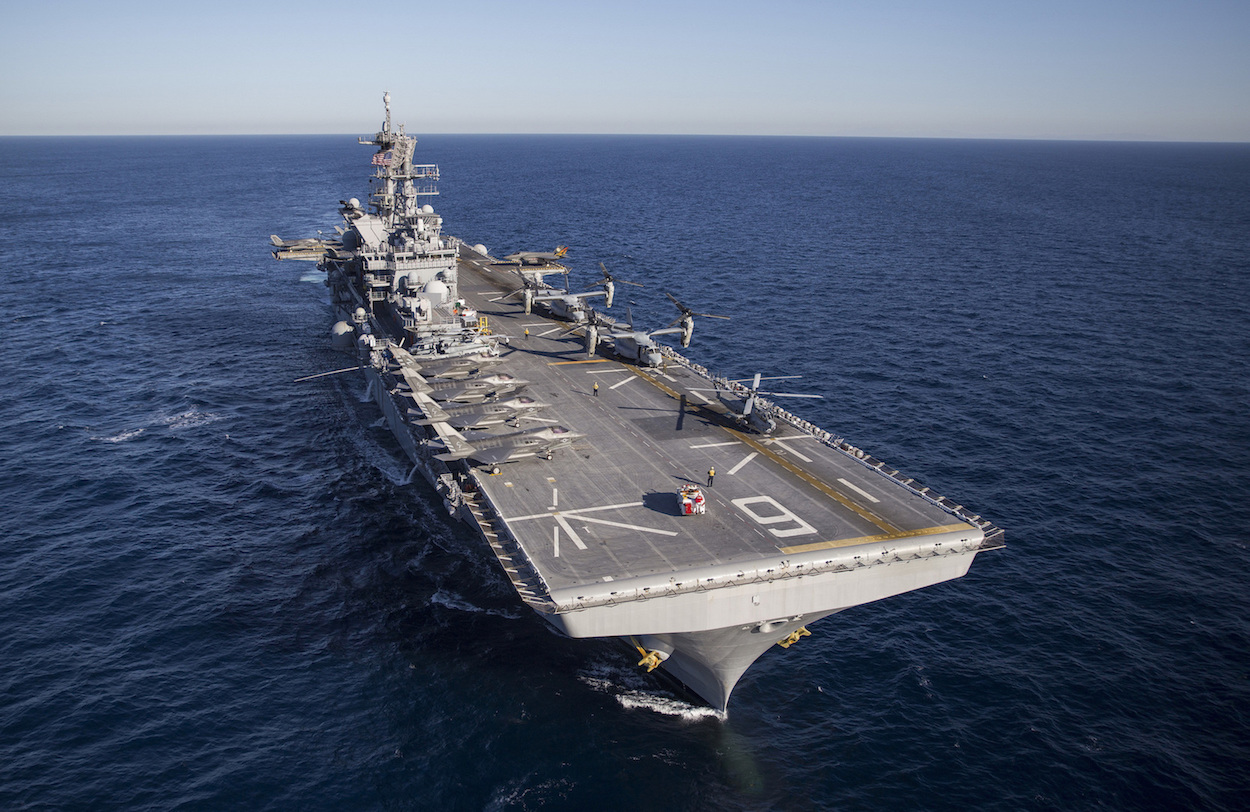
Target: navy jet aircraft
{"points": [[473, 389], [495, 449], [456, 367], [538, 257], [459, 368], [480, 415]]}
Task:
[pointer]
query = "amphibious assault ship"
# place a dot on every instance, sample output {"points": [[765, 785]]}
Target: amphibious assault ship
{"points": [[571, 441]]}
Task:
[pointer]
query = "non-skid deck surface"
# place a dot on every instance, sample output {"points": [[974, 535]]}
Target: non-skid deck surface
{"points": [[607, 508]]}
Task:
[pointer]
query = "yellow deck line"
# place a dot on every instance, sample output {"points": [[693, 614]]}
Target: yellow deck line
{"points": [[851, 542], [666, 390], [860, 511], [863, 513]]}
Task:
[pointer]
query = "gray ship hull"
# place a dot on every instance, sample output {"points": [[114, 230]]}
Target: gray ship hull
{"points": [[579, 502]]}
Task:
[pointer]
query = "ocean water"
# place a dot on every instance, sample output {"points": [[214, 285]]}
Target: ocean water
{"points": [[221, 590]]}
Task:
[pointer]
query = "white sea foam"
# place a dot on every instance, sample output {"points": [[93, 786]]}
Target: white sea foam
{"points": [[453, 601], [122, 437], [667, 706], [608, 679], [190, 418]]}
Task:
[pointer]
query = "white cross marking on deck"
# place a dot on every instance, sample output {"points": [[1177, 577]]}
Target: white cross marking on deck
{"points": [[859, 491], [715, 445], [561, 521], [577, 511], [568, 528], [622, 383], [745, 460], [628, 526]]}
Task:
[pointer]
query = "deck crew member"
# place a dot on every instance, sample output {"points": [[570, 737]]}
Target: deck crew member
{"points": [[596, 389], [711, 474]]}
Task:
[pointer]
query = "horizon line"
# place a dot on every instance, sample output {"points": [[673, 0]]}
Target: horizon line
{"points": [[1059, 139]]}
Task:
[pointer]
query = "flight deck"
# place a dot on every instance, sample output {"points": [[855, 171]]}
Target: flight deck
{"points": [[607, 509]]}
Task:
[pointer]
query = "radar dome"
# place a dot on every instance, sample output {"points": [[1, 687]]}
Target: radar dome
{"points": [[436, 290], [427, 209], [354, 203], [341, 335], [481, 249]]}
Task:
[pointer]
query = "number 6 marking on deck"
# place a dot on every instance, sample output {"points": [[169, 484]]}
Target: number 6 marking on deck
{"points": [[783, 515]]}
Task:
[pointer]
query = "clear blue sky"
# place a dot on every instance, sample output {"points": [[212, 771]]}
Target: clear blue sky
{"points": [[1100, 69]]}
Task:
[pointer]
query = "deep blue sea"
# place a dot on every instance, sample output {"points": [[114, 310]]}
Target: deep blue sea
{"points": [[219, 590]]}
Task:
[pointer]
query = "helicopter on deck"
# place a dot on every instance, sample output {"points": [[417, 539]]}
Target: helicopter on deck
{"points": [[748, 408]]}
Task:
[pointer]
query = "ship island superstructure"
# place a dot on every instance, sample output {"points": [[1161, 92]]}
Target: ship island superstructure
{"points": [[567, 440]]}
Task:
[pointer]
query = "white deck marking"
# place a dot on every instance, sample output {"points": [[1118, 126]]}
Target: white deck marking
{"points": [[703, 398], [859, 491], [549, 332], [622, 383], [784, 515], [568, 528], [605, 371], [555, 498], [715, 445], [557, 529], [577, 511], [668, 377], [745, 460], [629, 526], [779, 442]]}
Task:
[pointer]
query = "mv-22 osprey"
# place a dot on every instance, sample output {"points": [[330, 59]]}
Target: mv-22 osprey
{"points": [[563, 304], [572, 306], [639, 345]]}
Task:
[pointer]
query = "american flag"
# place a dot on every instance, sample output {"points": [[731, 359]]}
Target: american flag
{"points": [[382, 159]]}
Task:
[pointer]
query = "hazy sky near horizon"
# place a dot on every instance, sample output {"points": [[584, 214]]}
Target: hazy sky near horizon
{"points": [[1086, 69]]}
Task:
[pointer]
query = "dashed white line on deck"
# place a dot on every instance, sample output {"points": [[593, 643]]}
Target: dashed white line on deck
{"points": [[859, 491]]}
